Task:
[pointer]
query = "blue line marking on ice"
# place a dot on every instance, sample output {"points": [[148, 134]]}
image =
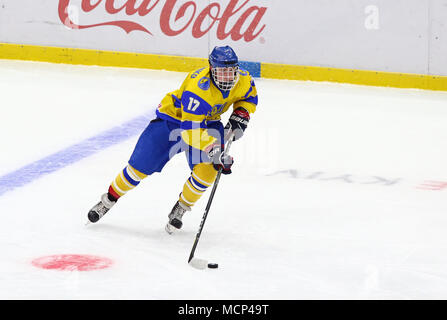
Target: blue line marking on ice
{"points": [[72, 154]]}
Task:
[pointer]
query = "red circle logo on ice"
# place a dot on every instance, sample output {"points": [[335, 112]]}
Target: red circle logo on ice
{"points": [[72, 262]]}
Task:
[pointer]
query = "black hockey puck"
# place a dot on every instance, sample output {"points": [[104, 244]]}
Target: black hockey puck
{"points": [[213, 265]]}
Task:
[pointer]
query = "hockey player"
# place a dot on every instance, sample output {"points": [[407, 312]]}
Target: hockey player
{"points": [[193, 112]]}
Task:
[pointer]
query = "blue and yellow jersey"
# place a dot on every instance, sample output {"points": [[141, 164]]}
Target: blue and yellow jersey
{"points": [[198, 103]]}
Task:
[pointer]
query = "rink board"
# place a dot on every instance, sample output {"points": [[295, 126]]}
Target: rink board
{"points": [[185, 64]]}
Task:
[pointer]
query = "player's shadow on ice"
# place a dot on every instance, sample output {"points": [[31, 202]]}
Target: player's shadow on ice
{"points": [[152, 232]]}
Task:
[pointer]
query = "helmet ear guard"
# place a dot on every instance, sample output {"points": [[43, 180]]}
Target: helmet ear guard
{"points": [[224, 66]]}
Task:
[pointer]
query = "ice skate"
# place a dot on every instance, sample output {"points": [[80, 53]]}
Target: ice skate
{"points": [[100, 209], [175, 217]]}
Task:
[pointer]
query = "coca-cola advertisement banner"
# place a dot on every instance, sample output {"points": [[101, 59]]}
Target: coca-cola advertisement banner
{"points": [[175, 27], [382, 35], [198, 20]]}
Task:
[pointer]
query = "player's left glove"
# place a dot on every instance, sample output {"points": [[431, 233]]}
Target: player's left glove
{"points": [[219, 159], [238, 122]]}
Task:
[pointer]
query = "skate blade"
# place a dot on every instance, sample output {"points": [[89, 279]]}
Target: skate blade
{"points": [[170, 229]]}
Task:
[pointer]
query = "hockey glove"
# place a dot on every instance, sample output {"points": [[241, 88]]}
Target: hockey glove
{"points": [[238, 122], [219, 159]]}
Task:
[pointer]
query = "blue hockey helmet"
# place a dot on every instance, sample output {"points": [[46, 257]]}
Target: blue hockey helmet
{"points": [[224, 65]]}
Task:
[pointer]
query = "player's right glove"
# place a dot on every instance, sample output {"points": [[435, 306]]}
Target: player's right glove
{"points": [[219, 159], [238, 122]]}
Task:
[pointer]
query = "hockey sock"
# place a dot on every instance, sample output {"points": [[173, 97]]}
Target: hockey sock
{"points": [[202, 177], [125, 181]]}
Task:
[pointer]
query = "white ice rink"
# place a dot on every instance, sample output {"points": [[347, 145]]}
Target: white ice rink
{"points": [[337, 192]]}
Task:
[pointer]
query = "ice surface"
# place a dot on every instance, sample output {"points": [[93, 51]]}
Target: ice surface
{"points": [[338, 192]]}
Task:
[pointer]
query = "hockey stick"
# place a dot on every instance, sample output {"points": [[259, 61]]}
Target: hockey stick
{"points": [[200, 263]]}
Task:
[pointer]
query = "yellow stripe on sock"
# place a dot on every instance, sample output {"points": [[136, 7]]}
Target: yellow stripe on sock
{"points": [[125, 181], [122, 185], [189, 194], [117, 189], [184, 201]]}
